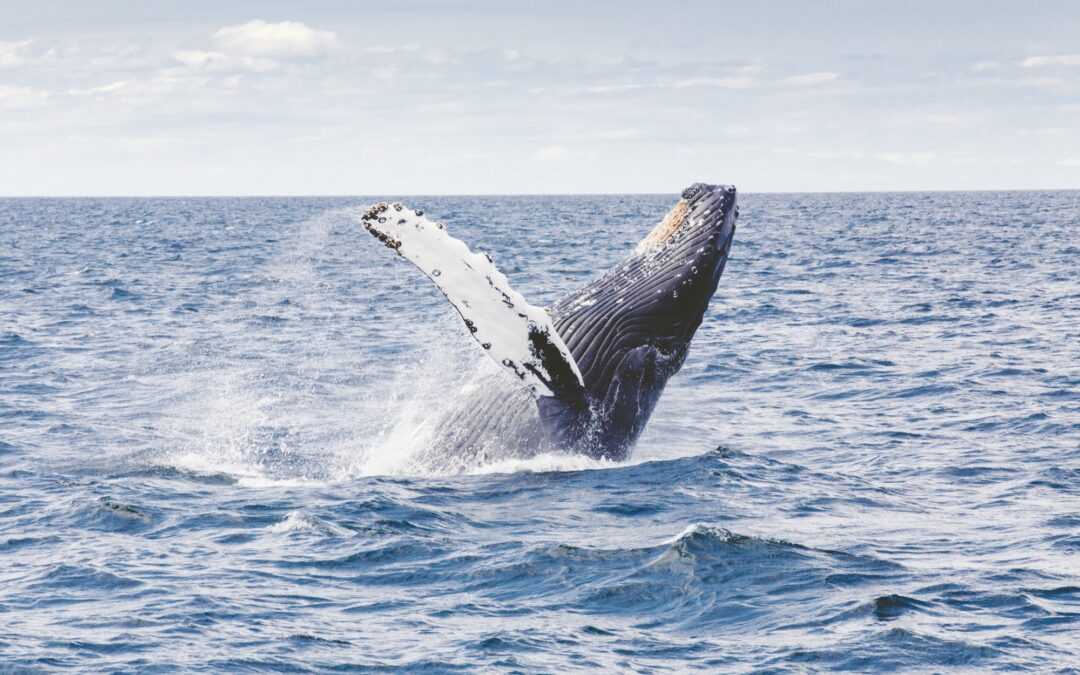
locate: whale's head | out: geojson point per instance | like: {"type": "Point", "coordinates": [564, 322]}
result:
{"type": "Point", "coordinates": [630, 329]}
{"type": "Point", "coordinates": [676, 268]}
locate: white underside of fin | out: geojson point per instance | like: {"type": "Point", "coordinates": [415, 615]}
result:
{"type": "Point", "coordinates": [498, 317]}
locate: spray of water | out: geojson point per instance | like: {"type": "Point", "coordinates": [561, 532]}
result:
{"type": "Point", "coordinates": [279, 387]}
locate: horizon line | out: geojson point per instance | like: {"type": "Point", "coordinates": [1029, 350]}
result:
{"type": "Point", "coordinates": [511, 194]}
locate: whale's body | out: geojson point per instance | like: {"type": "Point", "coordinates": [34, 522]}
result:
{"type": "Point", "coordinates": [585, 375]}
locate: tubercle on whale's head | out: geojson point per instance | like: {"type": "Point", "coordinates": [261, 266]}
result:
{"type": "Point", "coordinates": [666, 228]}
{"type": "Point", "coordinates": [702, 208]}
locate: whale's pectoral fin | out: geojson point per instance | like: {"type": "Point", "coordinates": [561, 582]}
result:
{"type": "Point", "coordinates": [518, 336]}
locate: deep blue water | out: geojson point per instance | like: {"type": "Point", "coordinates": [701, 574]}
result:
{"type": "Point", "coordinates": [870, 461]}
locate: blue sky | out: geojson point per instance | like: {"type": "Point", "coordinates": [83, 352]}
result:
{"type": "Point", "coordinates": [181, 98]}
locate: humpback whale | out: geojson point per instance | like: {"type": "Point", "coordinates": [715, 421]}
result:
{"type": "Point", "coordinates": [584, 375]}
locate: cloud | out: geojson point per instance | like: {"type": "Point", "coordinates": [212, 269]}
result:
{"type": "Point", "coordinates": [810, 79]}
{"type": "Point", "coordinates": [943, 119]}
{"type": "Point", "coordinates": [12, 97]}
{"type": "Point", "coordinates": [739, 82]}
{"type": "Point", "coordinates": [606, 88]}
{"type": "Point", "coordinates": [553, 153]}
{"type": "Point", "coordinates": [984, 65]}
{"type": "Point", "coordinates": [385, 72]}
{"type": "Point", "coordinates": [1057, 60]}
{"type": "Point", "coordinates": [281, 39]}
{"type": "Point", "coordinates": [559, 153]}
{"type": "Point", "coordinates": [9, 53]}
{"type": "Point", "coordinates": [102, 89]}
{"type": "Point", "coordinates": [955, 119]}
{"type": "Point", "coordinates": [619, 134]}
{"type": "Point", "coordinates": [1069, 161]}
{"type": "Point", "coordinates": [911, 158]}
{"type": "Point", "coordinates": [209, 61]}
{"type": "Point", "coordinates": [1037, 82]}
{"type": "Point", "coordinates": [835, 154]}
{"type": "Point", "coordinates": [383, 50]}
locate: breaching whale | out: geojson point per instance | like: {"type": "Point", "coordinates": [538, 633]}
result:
{"type": "Point", "coordinates": [584, 375]}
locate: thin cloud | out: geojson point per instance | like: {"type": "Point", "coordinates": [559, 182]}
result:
{"type": "Point", "coordinates": [944, 119]}
{"type": "Point", "coordinates": [955, 119]}
{"type": "Point", "coordinates": [619, 134]}
{"type": "Point", "coordinates": [835, 154]}
{"type": "Point", "coordinates": [281, 39]}
{"type": "Point", "coordinates": [740, 82]}
{"type": "Point", "coordinates": [607, 88]}
{"type": "Point", "coordinates": [10, 53]}
{"type": "Point", "coordinates": [559, 153]}
{"type": "Point", "coordinates": [554, 153]}
{"type": "Point", "coordinates": [213, 61]}
{"type": "Point", "coordinates": [910, 158]}
{"type": "Point", "coordinates": [1069, 161]}
{"type": "Point", "coordinates": [102, 89]}
{"type": "Point", "coordinates": [388, 49]}
{"type": "Point", "coordinates": [1057, 60]}
{"type": "Point", "coordinates": [12, 97]}
{"type": "Point", "coordinates": [810, 79]}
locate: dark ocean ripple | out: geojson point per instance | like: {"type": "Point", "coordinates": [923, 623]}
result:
{"type": "Point", "coordinates": [869, 462]}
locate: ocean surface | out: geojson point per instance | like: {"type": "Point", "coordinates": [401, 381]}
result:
{"type": "Point", "coordinates": [870, 460]}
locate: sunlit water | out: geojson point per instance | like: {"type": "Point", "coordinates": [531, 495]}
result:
{"type": "Point", "coordinates": [870, 461]}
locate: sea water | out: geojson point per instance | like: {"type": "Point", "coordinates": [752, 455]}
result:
{"type": "Point", "coordinates": [870, 460]}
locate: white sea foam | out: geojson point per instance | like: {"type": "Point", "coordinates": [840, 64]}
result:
{"type": "Point", "coordinates": [544, 463]}
{"type": "Point", "coordinates": [300, 522]}
{"type": "Point", "coordinates": [245, 474]}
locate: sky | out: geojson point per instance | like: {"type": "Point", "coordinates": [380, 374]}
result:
{"type": "Point", "coordinates": [367, 98]}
